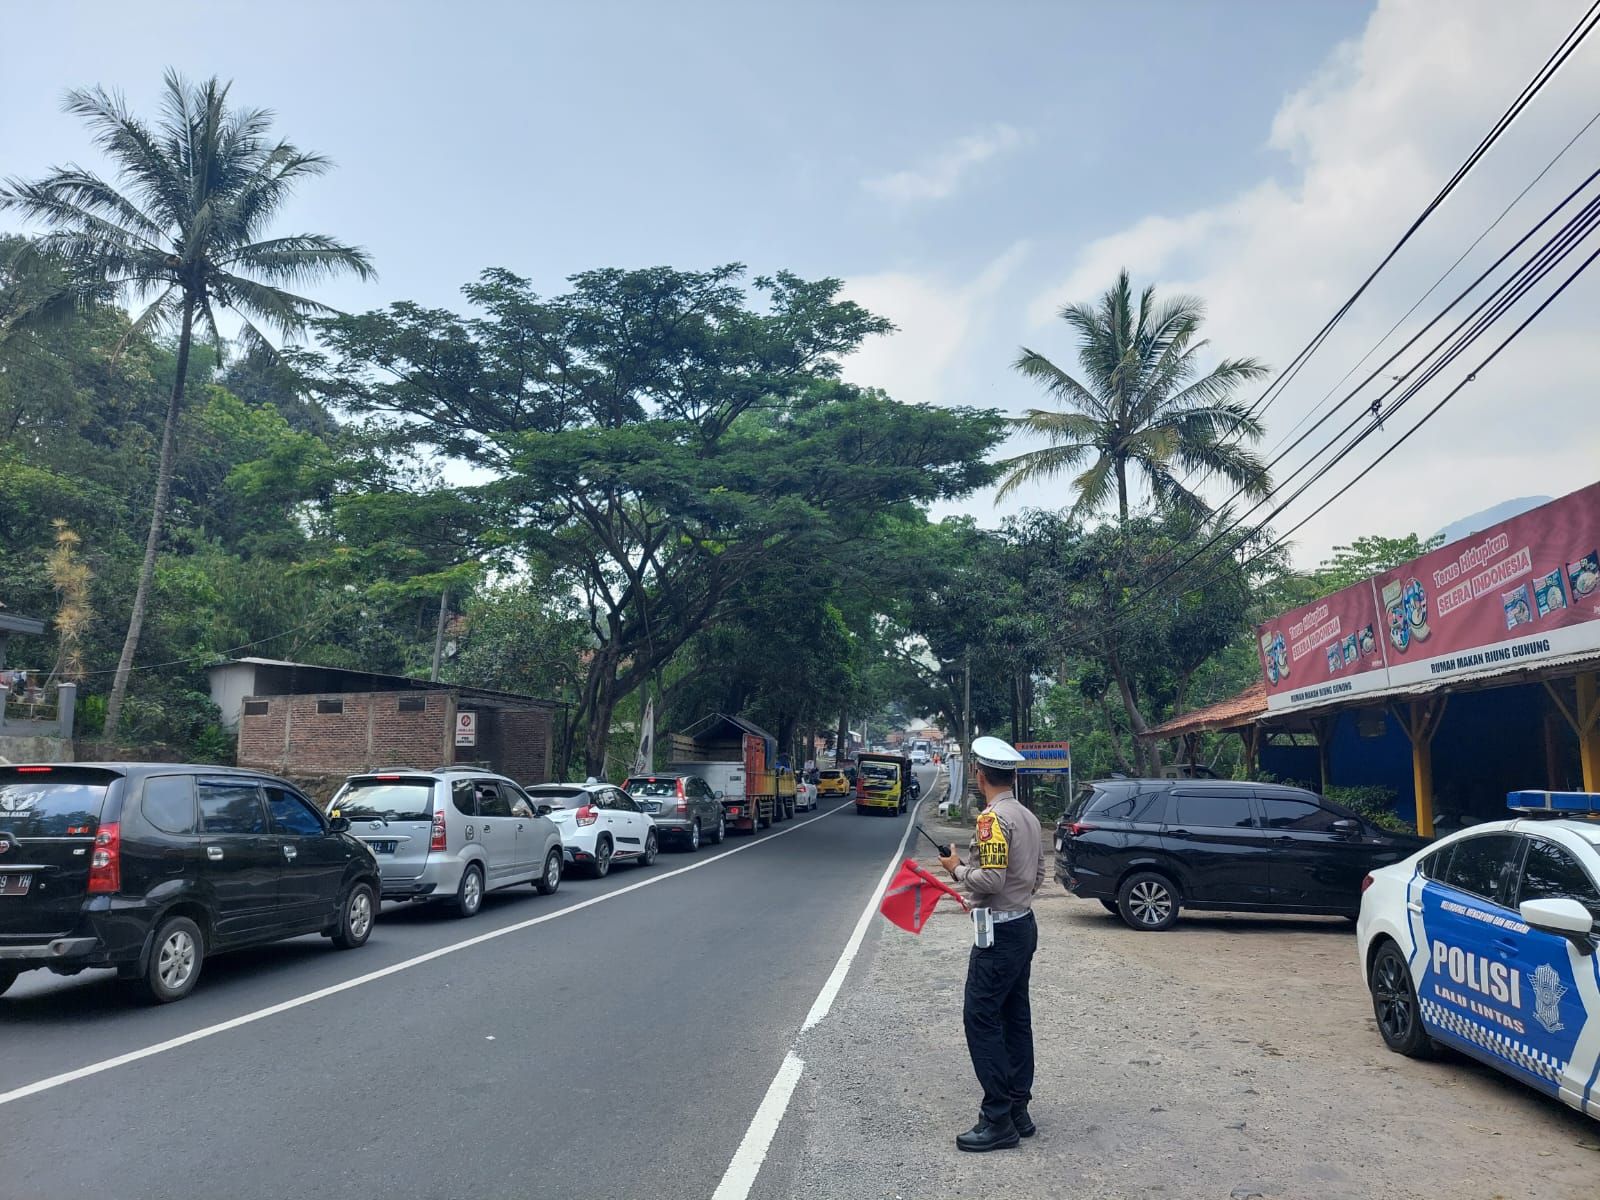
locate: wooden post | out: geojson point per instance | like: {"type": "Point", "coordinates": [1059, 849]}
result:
{"type": "Point", "coordinates": [1552, 756]}
{"type": "Point", "coordinates": [1322, 730]}
{"type": "Point", "coordinates": [1420, 720]}
{"type": "Point", "coordinates": [1588, 710]}
{"type": "Point", "coordinates": [1250, 735]}
{"type": "Point", "coordinates": [1583, 717]}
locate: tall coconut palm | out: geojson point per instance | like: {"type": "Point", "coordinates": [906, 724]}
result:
{"type": "Point", "coordinates": [1142, 404]}
{"type": "Point", "coordinates": [181, 232]}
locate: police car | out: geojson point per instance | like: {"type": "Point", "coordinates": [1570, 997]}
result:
{"type": "Point", "coordinates": [1485, 942]}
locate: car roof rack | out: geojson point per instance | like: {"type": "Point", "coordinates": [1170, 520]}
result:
{"type": "Point", "coordinates": [1554, 805]}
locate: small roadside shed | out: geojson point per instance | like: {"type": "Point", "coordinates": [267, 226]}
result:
{"type": "Point", "coordinates": [307, 719]}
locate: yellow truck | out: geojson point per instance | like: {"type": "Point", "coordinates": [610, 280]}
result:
{"type": "Point", "coordinates": [883, 783]}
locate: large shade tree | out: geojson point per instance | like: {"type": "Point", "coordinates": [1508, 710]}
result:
{"type": "Point", "coordinates": [182, 233]}
{"type": "Point", "coordinates": [656, 438]}
{"type": "Point", "coordinates": [1142, 406]}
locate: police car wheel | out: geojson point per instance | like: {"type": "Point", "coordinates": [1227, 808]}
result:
{"type": "Point", "coordinates": [1147, 902]}
{"type": "Point", "coordinates": [1394, 1004]}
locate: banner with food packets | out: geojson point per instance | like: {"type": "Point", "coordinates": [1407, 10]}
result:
{"type": "Point", "coordinates": [1522, 590]}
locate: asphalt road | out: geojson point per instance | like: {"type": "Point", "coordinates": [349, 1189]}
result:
{"type": "Point", "coordinates": [615, 1050]}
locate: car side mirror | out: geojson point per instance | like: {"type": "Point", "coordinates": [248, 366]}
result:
{"type": "Point", "coordinates": [339, 824]}
{"type": "Point", "coordinates": [544, 810]}
{"type": "Point", "coordinates": [1346, 827]}
{"type": "Point", "coordinates": [1563, 917]}
{"type": "Point", "coordinates": [716, 795]}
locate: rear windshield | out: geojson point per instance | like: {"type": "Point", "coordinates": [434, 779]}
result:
{"type": "Point", "coordinates": [389, 799]}
{"type": "Point", "coordinates": [832, 775]}
{"type": "Point", "coordinates": [652, 787]}
{"type": "Point", "coordinates": [876, 774]}
{"type": "Point", "coordinates": [559, 797]}
{"type": "Point", "coordinates": [57, 804]}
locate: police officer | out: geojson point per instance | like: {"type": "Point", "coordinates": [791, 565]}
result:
{"type": "Point", "coordinates": [1005, 867]}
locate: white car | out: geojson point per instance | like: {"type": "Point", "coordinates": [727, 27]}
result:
{"type": "Point", "coordinates": [805, 796]}
{"type": "Point", "coordinates": [919, 757]}
{"type": "Point", "coordinates": [1485, 942]}
{"type": "Point", "coordinates": [600, 825]}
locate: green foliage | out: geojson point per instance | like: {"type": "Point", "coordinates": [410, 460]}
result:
{"type": "Point", "coordinates": [655, 440]}
{"type": "Point", "coordinates": [1374, 803]}
{"type": "Point", "coordinates": [1144, 404]}
{"type": "Point", "coordinates": [1367, 556]}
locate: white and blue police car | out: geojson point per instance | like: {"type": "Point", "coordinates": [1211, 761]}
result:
{"type": "Point", "coordinates": [1485, 942]}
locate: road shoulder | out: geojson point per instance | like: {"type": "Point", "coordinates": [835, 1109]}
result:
{"type": "Point", "coordinates": [1234, 1056]}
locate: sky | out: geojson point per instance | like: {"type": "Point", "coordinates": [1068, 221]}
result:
{"type": "Point", "coordinates": [965, 169]}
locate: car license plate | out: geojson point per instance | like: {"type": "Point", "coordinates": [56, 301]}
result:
{"type": "Point", "coordinates": [382, 847]}
{"type": "Point", "coordinates": [15, 884]}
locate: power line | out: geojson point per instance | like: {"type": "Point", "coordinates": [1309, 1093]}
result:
{"type": "Point", "coordinates": [1541, 263]}
{"type": "Point", "coordinates": [1541, 78]}
{"type": "Point", "coordinates": [1450, 270]}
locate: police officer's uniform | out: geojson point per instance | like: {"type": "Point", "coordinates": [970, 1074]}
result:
{"type": "Point", "coordinates": [1005, 866]}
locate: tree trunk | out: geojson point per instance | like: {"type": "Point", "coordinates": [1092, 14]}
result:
{"type": "Point", "coordinates": [841, 738]}
{"type": "Point", "coordinates": [1147, 754]}
{"type": "Point", "coordinates": [597, 735]}
{"type": "Point", "coordinates": [158, 513]}
{"type": "Point", "coordinates": [1122, 489]}
{"type": "Point", "coordinates": [1115, 734]}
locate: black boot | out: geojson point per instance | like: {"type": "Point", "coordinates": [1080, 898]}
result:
{"type": "Point", "coordinates": [988, 1135]}
{"type": "Point", "coordinates": [1023, 1122]}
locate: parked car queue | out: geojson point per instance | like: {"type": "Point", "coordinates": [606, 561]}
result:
{"type": "Point", "coordinates": [150, 868]}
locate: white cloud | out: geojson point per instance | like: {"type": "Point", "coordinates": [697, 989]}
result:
{"type": "Point", "coordinates": [936, 319]}
{"type": "Point", "coordinates": [1368, 142]}
{"type": "Point", "coordinates": [940, 175]}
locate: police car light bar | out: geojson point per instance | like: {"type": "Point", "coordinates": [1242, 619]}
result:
{"type": "Point", "coordinates": [1554, 804]}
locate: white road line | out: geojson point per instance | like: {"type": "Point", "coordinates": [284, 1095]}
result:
{"type": "Point", "coordinates": [835, 981]}
{"type": "Point", "coordinates": [261, 1014]}
{"type": "Point", "coordinates": [741, 1174]}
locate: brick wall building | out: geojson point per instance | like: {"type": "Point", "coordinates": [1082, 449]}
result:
{"type": "Point", "coordinates": [305, 720]}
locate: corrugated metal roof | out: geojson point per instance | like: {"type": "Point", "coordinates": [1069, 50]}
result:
{"type": "Point", "coordinates": [1243, 709]}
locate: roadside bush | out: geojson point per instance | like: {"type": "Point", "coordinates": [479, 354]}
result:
{"type": "Point", "coordinates": [1374, 803]}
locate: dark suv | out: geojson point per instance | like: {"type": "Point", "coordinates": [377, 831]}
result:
{"type": "Point", "coordinates": [150, 867]}
{"type": "Point", "coordinates": [1146, 847]}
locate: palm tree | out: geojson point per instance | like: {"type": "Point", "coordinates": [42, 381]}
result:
{"type": "Point", "coordinates": [181, 233]}
{"type": "Point", "coordinates": [1144, 404]}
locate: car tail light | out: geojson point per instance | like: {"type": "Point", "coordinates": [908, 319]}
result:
{"type": "Point", "coordinates": [34, 770]}
{"type": "Point", "coordinates": [1365, 884]}
{"type": "Point", "coordinates": [588, 815]}
{"type": "Point", "coordinates": [436, 840]}
{"type": "Point", "coordinates": [1077, 827]}
{"type": "Point", "coordinates": [105, 866]}
{"type": "Point", "coordinates": [683, 801]}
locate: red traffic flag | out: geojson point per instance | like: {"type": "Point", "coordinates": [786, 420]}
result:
{"type": "Point", "coordinates": [903, 903]}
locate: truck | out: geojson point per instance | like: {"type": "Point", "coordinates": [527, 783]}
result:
{"type": "Point", "coordinates": [883, 783]}
{"type": "Point", "coordinates": [740, 762]}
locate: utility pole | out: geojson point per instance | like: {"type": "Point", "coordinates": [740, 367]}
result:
{"type": "Point", "coordinates": [438, 634]}
{"type": "Point", "coordinates": [966, 732]}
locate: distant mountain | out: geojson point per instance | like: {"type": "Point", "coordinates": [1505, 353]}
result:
{"type": "Point", "coordinates": [1505, 510]}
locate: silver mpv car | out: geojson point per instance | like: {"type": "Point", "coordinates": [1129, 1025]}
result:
{"type": "Point", "coordinates": [451, 834]}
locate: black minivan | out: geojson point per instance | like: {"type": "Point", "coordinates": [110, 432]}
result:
{"type": "Point", "coordinates": [151, 867]}
{"type": "Point", "coordinates": [1147, 847]}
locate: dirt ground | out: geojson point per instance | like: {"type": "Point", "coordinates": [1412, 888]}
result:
{"type": "Point", "coordinates": [1232, 1057]}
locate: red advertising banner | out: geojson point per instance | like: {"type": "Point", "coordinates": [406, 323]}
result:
{"type": "Point", "coordinates": [1518, 592]}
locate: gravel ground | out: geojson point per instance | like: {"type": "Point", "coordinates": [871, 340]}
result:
{"type": "Point", "coordinates": [1231, 1057]}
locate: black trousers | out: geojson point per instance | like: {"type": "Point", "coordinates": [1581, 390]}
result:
{"type": "Point", "coordinates": [999, 1017]}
